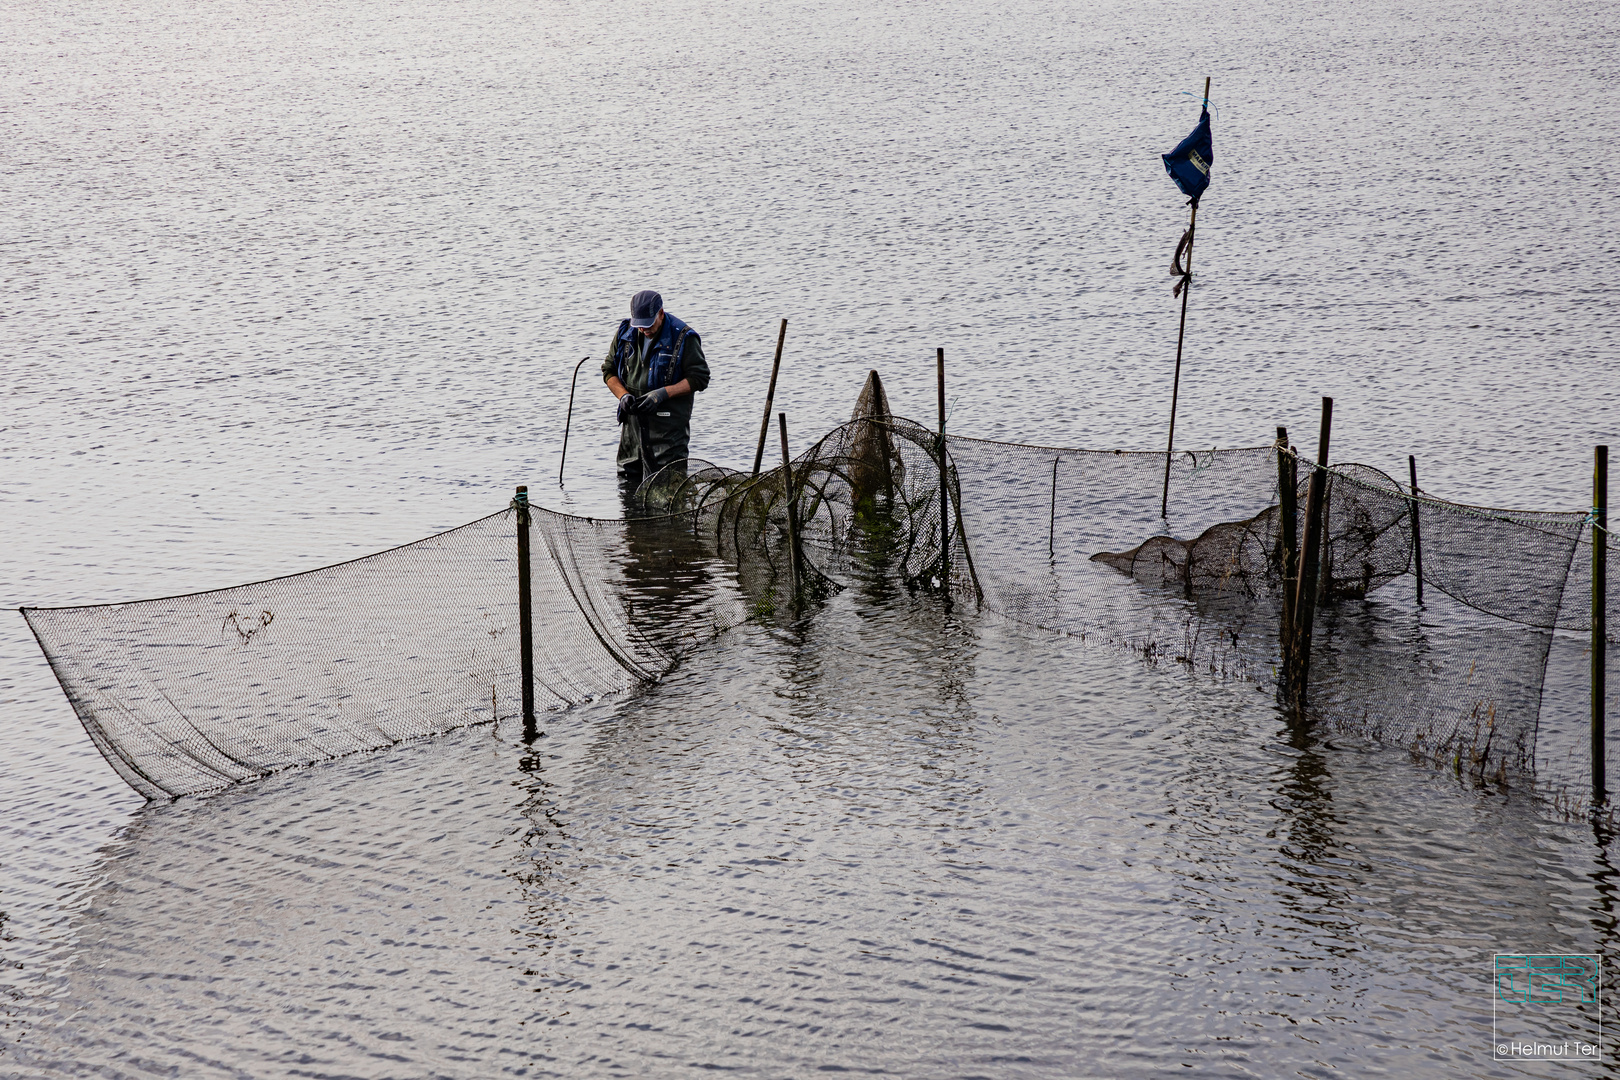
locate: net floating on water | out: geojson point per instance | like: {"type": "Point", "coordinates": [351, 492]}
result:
{"type": "Point", "coordinates": [191, 694]}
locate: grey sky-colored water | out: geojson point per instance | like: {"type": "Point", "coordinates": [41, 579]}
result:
{"type": "Point", "coordinates": [283, 284]}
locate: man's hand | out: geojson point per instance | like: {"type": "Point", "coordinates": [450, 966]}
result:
{"type": "Point", "coordinates": [627, 405]}
{"type": "Point", "coordinates": [647, 403]}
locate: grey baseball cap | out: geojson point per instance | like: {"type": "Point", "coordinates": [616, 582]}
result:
{"type": "Point", "coordinates": [644, 308]}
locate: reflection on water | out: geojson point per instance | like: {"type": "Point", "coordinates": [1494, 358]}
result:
{"type": "Point", "coordinates": [888, 838]}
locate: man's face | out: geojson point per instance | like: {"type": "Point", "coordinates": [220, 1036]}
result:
{"type": "Point", "coordinates": [649, 331]}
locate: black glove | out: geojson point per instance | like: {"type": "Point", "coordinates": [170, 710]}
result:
{"type": "Point", "coordinates": [647, 403]}
{"type": "Point", "coordinates": [627, 405]}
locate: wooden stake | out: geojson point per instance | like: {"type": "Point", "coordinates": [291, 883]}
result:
{"type": "Point", "coordinates": [794, 569]}
{"type": "Point", "coordinates": [1181, 337]}
{"type": "Point", "coordinates": [1310, 564]}
{"type": "Point", "coordinates": [944, 482]}
{"type": "Point", "coordinates": [1288, 511]}
{"type": "Point", "coordinates": [770, 396]}
{"type": "Point", "coordinates": [1600, 620]}
{"type": "Point", "coordinates": [1051, 524]}
{"type": "Point", "coordinates": [1417, 531]}
{"type": "Point", "coordinates": [525, 615]}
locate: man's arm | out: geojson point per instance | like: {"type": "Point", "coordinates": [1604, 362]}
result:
{"type": "Point", "coordinates": [610, 376]}
{"type": "Point", "coordinates": [610, 370]}
{"type": "Point", "coordinates": [695, 366]}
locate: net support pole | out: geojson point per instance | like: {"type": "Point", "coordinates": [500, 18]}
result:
{"type": "Point", "coordinates": [944, 481]}
{"type": "Point", "coordinates": [525, 614]}
{"type": "Point", "coordinates": [1417, 530]}
{"type": "Point", "coordinates": [1600, 628]}
{"type": "Point", "coordinates": [770, 397]}
{"type": "Point", "coordinates": [1181, 337]}
{"type": "Point", "coordinates": [1310, 565]}
{"type": "Point", "coordinates": [795, 570]}
{"type": "Point", "coordinates": [1288, 511]}
{"type": "Point", "coordinates": [1051, 520]}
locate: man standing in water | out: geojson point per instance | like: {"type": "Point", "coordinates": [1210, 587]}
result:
{"type": "Point", "coordinates": [653, 367]}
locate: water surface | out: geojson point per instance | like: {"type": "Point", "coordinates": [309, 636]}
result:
{"type": "Point", "coordinates": [289, 284]}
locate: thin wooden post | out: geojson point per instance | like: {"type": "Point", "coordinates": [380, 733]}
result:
{"type": "Point", "coordinates": [525, 615]}
{"type": "Point", "coordinates": [770, 396]}
{"type": "Point", "coordinates": [1051, 524]}
{"type": "Point", "coordinates": [1288, 511]}
{"type": "Point", "coordinates": [1600, 627]}
{"type": "Point", "coordinates": [1417, 531]}
{"type": "Point", "coordinates": [944, 481]}
{"type": "Point", "coordinates": [1325, 578]}
{"type": "Point", "coordinates": [1310, 564]}
{"type": "Point", "coordinates": [1181, 336]}
{"type": "Point", "coordinates": [794, 568]}
{"type": "Point", "coordinates": [568, 421]}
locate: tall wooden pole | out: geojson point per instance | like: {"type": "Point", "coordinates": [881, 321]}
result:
{"type": "Point", "coordinates": [1417, 531]}
{"type": "Point", "coordinates": [1600, 621]}
{"type": "Point", "coordinates": [770, 396]}
{"type": "Point", "coordinates": [1051, 520]}
{"type": "Point", "coordinates": [1310, 563]}
{"type": "Point", "coordinates": [795, 570]}
{"type": "Point", "coordinates": [944, 481]}
{"type": "Point", "coordinates": [1175, 390]}
{"type": "Point", "coordinates": [1288, 511]}
{"type": "Point", "coordinates": [525, 615]}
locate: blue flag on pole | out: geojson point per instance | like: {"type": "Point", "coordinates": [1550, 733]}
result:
{"type": "Point", "coordinates": [1188, 164]}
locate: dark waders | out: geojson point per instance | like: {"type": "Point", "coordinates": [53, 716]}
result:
{"type": "Point", "coordinates": [633, 474]}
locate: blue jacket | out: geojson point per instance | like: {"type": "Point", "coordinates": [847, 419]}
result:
{"type": "Point", "coordinates": [665, 355]}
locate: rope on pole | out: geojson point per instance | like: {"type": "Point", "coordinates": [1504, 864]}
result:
{"type": "Point", "coordinates": [1184, 287]}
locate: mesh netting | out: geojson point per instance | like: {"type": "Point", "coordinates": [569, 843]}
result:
{"type": "Point", "coordinates": [190, 694]}
{"type": "Point", "coordinates": [1460, 681]}
{"type": "Point", "coordinates": [870, 489]}
{"type": "Point", "coordinates": [1073, 540]}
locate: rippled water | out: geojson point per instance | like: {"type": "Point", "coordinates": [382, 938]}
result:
{"type": "Point", "coordinates": [284, 284]}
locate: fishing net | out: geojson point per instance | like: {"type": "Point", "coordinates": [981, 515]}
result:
{"type": "Point", "coordinates": [1075, 541]}
{"type": "Point", "coordinates": [189, 694]}
{"type": "Point", "coordinates": [870, 489]}
{"type": "Point", "coordinates": [1457, 681]}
